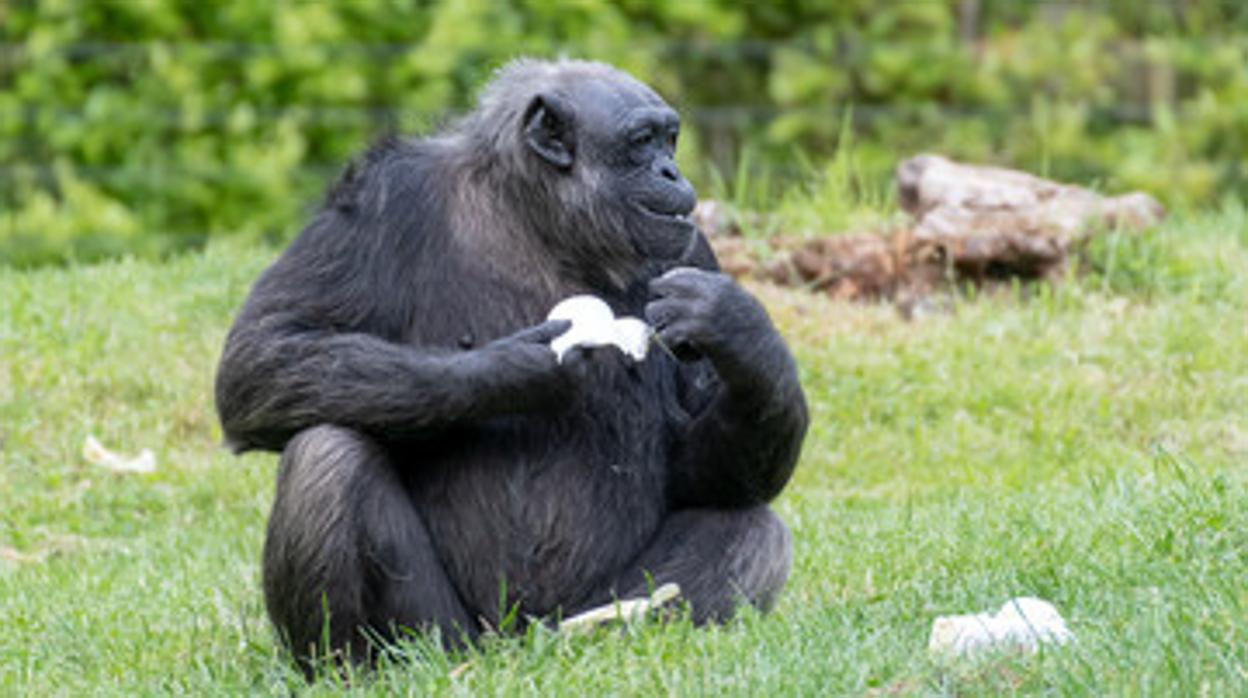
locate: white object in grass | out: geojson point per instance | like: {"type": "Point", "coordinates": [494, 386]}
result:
{"type": "Point", "coordinates": [594, 325]}
{"type": "Point", "coordinates": [628, 610]}
{"type": "Point", "coordinates": [1022, 623]}
{"type": "Point", "coordinates": [95, 452]}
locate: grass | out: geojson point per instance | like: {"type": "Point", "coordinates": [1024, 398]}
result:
{"type": "Point", "coordinates": [1086, 444]}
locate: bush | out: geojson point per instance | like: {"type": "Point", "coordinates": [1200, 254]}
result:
{"type": "Point", "coordinates": [147, 127]}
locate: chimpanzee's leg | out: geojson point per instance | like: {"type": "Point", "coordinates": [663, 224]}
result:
{"type": "Point", "coordinates": [720, 559]}
{"type": "Point", "coordinates": [345, 539]}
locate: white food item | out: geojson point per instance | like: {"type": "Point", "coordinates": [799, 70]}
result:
{"type": "Point", "coordinates": [633, 336]}
{"type": "Point", "coordinates": [628, 610]}
{"type": "Point", "coordinates": [1022, 623]}
{"type": "Point", "coordinates": [94, 452]}
{"type": "Point", "coordinates": [594, 325]}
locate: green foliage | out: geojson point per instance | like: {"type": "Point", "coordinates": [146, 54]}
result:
{"type": "Point", "coordinates": [1165, 261]}
{"type": "Point", "coordinates": [147, 126]}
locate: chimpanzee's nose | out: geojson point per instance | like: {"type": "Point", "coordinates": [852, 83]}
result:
{"type": "Point", "coordinates": [668, 170]}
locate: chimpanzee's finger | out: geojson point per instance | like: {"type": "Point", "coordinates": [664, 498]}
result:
{"type": "Point", "coordinates": [543, 333]}
{"type": "Point", "coordinates": [661, 313]}
{"type": "Point", "coordinates": [681, 282]}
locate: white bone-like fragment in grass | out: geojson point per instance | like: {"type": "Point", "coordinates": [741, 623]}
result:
{"type": "Point", "coordinates": [1023, 623]}
{"type": "Point", "coordinates": [594, 325]}
{"type": "Point", "coordinates": [94, 452]}
{"type": "Point", "coordinates": [628, 610]}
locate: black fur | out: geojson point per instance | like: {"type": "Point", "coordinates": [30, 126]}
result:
{"type": "Point", "coordinates": [439, 467]}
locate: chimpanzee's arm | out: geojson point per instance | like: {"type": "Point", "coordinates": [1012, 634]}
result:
{"type": "Point", "coordinates": [319, 342]}
{"type": "Point", "coordinates": [275, 380]}
{"type": "Point", "coordinates": [748, 410]}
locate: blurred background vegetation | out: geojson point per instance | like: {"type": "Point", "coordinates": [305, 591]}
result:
{"type": "Point", "coordinates": [146, 126]}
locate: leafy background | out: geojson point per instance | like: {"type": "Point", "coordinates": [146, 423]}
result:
{"type": "Point", "coordinates": [147, 126]}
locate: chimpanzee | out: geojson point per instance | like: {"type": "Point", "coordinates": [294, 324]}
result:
{"type": "Point", "coordinates": [441, 468]}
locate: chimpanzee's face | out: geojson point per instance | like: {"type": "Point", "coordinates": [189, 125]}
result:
{"type": "Point", "coordinates": [619, 138]}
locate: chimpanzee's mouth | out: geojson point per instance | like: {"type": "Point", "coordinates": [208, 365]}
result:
{"type": "Point", "coordinates": [667, 216]}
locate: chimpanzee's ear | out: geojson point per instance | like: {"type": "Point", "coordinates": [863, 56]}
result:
{"type": "Point", "coordinates": [548, 129]}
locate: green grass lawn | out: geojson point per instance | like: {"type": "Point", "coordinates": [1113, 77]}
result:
{"type": "Point", "coordinates": [1086, 444]}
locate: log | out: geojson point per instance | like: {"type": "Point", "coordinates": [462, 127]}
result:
{"type": "Point", "coordinates": [995, 224]}
{"type": "Point", "coordinates": [973, 223]}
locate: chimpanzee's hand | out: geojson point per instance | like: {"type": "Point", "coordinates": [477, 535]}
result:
{"type": "Point", "coordinates": [702, 312]}
{"type": "Point", "coordinates": [520, 371]}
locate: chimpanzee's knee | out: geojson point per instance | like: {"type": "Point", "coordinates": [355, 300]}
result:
{"type": "Point", "coordinates": [721, 558]}
{"type": "Point", "coordinates": [313, 577]}
{"type": "Point", "coordinates": [348, 560]}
